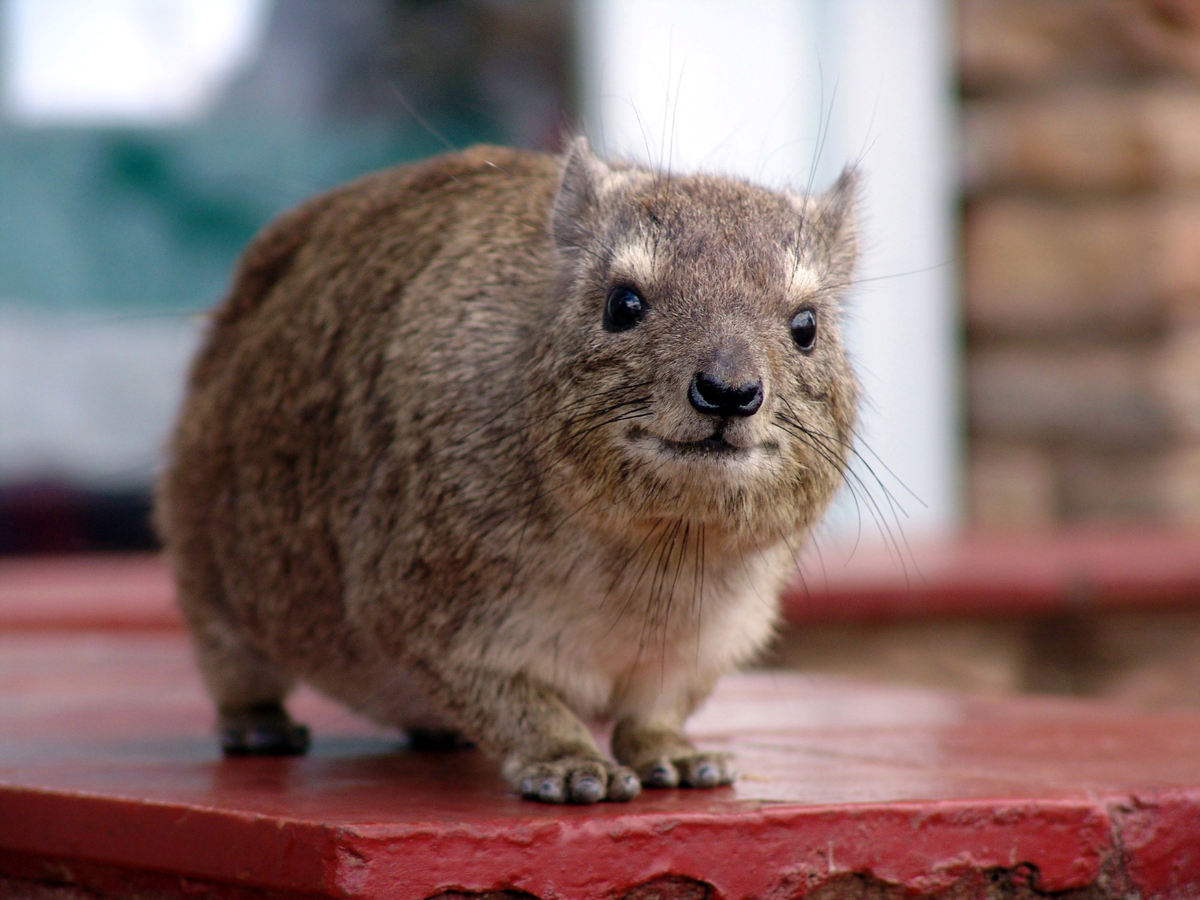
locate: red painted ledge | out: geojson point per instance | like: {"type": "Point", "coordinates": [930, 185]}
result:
{"type": "Point", "coordinates": [108, 777]}
{"type": "Point", "coordinates": [999, 574]}
{"type": "Point", "coordinates": [87, 592]}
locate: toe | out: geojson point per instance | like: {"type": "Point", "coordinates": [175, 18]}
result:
{"type": "Point", "coordinates": [660, 774]}
{"type": "Point", "coordinates": [705, 770]}
{"type": "Point", "coordinates": [548, 787]}
{"type": "Point", "coordinates": [623, 784]}
{"type": "Point", "coordinates": [700, 773]}
{"type": "Point", "coordinates": [587, 787]}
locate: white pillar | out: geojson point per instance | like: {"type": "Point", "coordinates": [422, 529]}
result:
{"type": "Point", "coordinates": [784, 91]}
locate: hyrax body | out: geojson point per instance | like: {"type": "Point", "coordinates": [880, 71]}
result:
{"type": "Point", "coordinates": [501, 441]}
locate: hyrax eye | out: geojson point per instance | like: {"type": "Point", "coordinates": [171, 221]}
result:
{"type": "Point", "coordinates": [624, 309]}
{"type": "Point", "coordinates": [804, 329]}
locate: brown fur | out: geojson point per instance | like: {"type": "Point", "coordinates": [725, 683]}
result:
{"type": "Point", "coordinates": [413, 470]}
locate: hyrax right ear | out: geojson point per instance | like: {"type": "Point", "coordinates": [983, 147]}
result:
{"type": "Point", "coordinates": [578, 195]}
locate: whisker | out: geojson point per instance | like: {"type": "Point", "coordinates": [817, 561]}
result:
{"type": "Point", "coordinates": [895, 539]}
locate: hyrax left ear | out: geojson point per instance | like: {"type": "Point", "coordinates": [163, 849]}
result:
{"type": "Point", "coordinates": [830, 222]}
{"type": "Point", "coordinates": [836, 210]}
{"type": "Point", "coordinates": [838, 207]}
{"type": "Point", "coordinates": [578, 195]}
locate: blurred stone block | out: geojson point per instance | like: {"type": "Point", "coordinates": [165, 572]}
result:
{"type": "Point", "coordinates": [1178, 245]}
{"type": "Point", "coordinates": [1011, 486]}
{"type": "Point", "coordinates": [1164, 486]}
{"type": "Point", "coordinates": [1179, 484]}
{"type": "Point", "coordinates": [1039, 269]}
{"type": "Point", "coordinates": [1083, 139]}
{"type": "Point", "coordinates": [1177, 376]}
{"type": "Point", "coordinates": [1021, 44]}
{"type": "Point", "coordinates": [1117, 486]}
{"type": "Point", "coordinates": [1108, 268]}
{"type": "Point", "coordinates": [967, 654]}
{"type": "Point", "coordinates": [1103, 397]}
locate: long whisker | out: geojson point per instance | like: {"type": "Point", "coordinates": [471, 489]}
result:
{"type": "Point", "coordinates": [823, 445]}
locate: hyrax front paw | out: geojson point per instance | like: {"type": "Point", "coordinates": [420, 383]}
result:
{"type": "Point", "coordinates": [576, 780]}
{"type": "Point", "coordinates": [664, 758]}
{"type": "Point", "coordinates": [695, 769]}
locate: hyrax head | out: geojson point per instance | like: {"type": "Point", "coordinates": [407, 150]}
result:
{"type": "Point", "coordinates": [698, 360]}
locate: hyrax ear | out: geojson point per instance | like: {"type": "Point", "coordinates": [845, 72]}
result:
{"type": "Point", "coordinates": [578, 194]}
{"type": "Point", "coordinates": [838, 207]}
{"type": "Point", "coordinates": [831, 221]}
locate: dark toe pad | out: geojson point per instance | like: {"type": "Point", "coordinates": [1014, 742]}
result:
{"type": "Point", "coordinates": [436, 739]}
{"type": "Point", "coordinates": [265, 731]}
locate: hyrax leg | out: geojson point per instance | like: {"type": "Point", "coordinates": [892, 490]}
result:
{"type": "Point", "coordinates": [246, 686]}
{"type": "Point", "coordinates": [547, 752]}
{"type": "Point", "coordinates": [664, 758]}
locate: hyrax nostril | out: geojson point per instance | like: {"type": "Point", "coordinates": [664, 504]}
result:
{"type": "Point", "coordinates": [715, 397]}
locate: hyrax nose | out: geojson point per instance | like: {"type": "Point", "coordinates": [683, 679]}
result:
{"type": "Point", "coordinates": [713, 396]}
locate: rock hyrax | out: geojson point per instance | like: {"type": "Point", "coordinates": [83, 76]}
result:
{"type": "Point", "coordinates": [499, 442]}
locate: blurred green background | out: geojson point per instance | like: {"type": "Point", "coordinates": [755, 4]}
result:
{"type": "Point", "coordinates": [124, 206]}
{"type": "Point", "coordinates": [121, 220]}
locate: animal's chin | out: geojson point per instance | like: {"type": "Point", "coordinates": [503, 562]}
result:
{"type": "Point", "coordinates": [714, 447]}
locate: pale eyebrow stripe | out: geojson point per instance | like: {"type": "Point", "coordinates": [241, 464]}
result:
{"type": "Point", "coordinates": [804, 281]}
{"type": "Point", "coordinates": [634, 261]}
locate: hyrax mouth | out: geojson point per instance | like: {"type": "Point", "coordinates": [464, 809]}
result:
{"type": "Point", "coordinates": [715, 445]}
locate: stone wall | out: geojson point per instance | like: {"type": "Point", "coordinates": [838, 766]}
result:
{"type": "Point", "coordinates": [1081, 125]}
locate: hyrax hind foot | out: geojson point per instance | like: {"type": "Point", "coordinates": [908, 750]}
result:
{"type": "Point", "coordinates": [664, 758]}
{"type": "Point", "coordinates": [577, 780]}
{"type": "Point", "coordinates": [264, 729]}
{"type": "Point", "coordinates": [437, 739]}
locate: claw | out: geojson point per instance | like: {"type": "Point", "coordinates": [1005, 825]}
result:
{"type": "Point", "coordinates": [662, 775]}
{"type": "Point", "coordinates": [552, 790]}
{"type": "Point", "coordinates": [623, 785]}
{"type": "Point", "coordinates": [705, 775]}
{"type": "Point", "coordinates": [586, 789]}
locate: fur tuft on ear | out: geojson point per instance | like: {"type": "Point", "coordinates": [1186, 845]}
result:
{"type": "Point", "coordinates": [831, 223]}
{"type": "Point", "coordinates": [578, 192]}
{"type": "Point", "coordinates": [838, 206]}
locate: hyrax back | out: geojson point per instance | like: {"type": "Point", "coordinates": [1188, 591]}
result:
{"type": "Point", "coordinates": [501, 441]}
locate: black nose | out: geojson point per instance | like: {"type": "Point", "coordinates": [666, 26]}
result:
{"type": "Point", "coordinates": [716, 397]}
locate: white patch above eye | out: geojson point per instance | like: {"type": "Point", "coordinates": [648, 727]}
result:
{"type": "Point", "coordinates": [804, 282]}
{"type": "Point", "coordinates": [633, 261]}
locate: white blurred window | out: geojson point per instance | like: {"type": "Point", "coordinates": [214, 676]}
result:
{"type": "Point", "coordinates": [83, 394]}
{"type": "Point", "coordinates": [123, 61]}
{"type": "Point", "coordinates": [788, 91]}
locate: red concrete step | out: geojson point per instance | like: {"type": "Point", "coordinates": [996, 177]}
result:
{"type": "Point", "coordinates": [83, 591]}
{"type": "Point", "coordinates": [997, 574]}
{"type": "Point", "coordinates": [110, 783]}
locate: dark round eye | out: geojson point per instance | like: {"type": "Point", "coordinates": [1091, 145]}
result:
{"type": "Point", "coordinates": [804, 329]}
{"type": "Point", "coordinates": [624, 309]}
